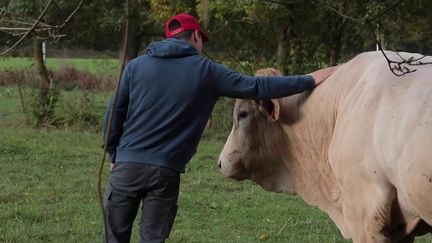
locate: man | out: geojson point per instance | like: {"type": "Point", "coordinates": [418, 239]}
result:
{"type": "Point", "coordinates": [165, 100]}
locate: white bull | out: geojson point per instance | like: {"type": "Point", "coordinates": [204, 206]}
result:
{"type": "Point", "coordinates": [359, 147]}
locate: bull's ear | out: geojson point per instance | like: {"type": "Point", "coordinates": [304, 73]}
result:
{"type": "Point", "coordinates": [271, 108]}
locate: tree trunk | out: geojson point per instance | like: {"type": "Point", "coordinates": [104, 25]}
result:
{"type": "Point", "coordinates": [283, 51]}
{"type": "Point", "coordinates": [333, 56]}
{"type": "Point", "coordinates": [206, 13]}
{"type": "Point", "coordinates": [283, 55]}
{"type": "Point", "coordinates": [382, 40]}
{"type": "Point", "coordinates": [336, 26]}
{"type": "Point", "coordinates": [133, 45]}
{"type": "Point", "coordinates": [130, 34]}
{"type": "Point", "coordinates": [40, 65]}
{"type": "Point", "coordinates": [192, 6]}
{"type": "Point", "coordinates": [45, 104]}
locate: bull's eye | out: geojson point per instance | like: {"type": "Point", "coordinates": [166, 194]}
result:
{"type": "Point", "coordinates": [242, 114]}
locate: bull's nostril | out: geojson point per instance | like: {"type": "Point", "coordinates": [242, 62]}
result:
{"type": "Point", "coordinates": [220, 164]}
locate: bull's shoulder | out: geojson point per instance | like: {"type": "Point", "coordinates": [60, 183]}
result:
{"type": "Point", "coordinates": [365, 59]}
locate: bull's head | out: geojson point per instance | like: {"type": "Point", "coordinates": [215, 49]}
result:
{"type": "Point", "coordinates": [257, 144]}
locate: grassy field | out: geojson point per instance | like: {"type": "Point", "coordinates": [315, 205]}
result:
{"type": "Point", "coordinates": [96, 66]}
{"type": "Point", "coordinates": [48, 181]}
{"type": "Point", "coordinates": [48, 193]}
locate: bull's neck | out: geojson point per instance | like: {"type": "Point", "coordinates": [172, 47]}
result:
{"type": "Point", "coordinates": [308, 120]}
{"type": "Point", "coordinates": [309, 130]}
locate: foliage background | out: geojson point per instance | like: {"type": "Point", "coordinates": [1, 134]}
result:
{"type": "Point", "coordinates": [47, 180]}
{"type": "Point", "coordinates": [296, 36]}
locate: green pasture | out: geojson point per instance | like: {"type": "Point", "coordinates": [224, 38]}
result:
{"type": "Point", "coordinates": [95, 66]}
{"type": "Point", "coordinates": [48, 192]}
{"type": "Point", "coordinates": [48, 195]}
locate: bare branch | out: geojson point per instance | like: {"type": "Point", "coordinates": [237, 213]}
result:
{"type": "Point", "coordinates": [23, 28]}
{"type": "Point", "coordinates": [17, 22]}
{"type": "Point", "coordinates": [19, 33]}
{"type": "Point", "coordinates": [43, 31]}
{"type": "Point", "coordinates": [364, 18]}
{"type": "Point", "coordinates": [57, 6]}
{"type": "Point", "coordinates": [2, 12]}
{"type": "Point", "coordinates": [7, 28]}
{"type": "Point", "coordinates": [110, 116]}
{"type": "Point", "coordinates": [30, 30]}
{"type": "Point", "coordinates": [402, 67]}
{"type": "Point", "coordinates": [7, 12]}
{"type": "Point", "coordinates": [385, 10]}
{"type": "Point", "coordinates": [359, 20]}
{"type": "Point", "coordinates": [50, 37]}
{"type": "Point", "coordinates": [25, 23]}
{"type": "Point", "coordinates": [71, 15]}
{"type": "Point", "coordinates": [285, 3]}
{"type": "Point", "coordinates": [10, 33]}
{"type": "Point", "coordinates": [398, 68]}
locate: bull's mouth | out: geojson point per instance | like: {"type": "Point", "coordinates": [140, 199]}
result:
{"type": "Point", "coordinates": [238, 177]}
{"type": "Point", "coordinates": [237, 172]}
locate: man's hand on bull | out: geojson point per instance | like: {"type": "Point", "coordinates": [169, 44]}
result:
{"type": "Point", "coordinates": [322, 74]}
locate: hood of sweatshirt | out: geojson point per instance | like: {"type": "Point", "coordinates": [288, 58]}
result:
{"type": "Point", "coordinates": [170, 48]}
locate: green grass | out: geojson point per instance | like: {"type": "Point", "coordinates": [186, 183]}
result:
{"type": "Point", "coordinates": [48, 193]}
{"type": "Point", "coordinates": [96, 66]}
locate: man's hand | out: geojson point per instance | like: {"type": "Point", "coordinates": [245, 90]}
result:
{"type": "Point", "coordinates": [322, 74]}
{"type": "Point", "coordinates": [112, 166]}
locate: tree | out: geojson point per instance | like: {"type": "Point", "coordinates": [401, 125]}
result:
{"type": "Point", "coordinates": [40, 27]}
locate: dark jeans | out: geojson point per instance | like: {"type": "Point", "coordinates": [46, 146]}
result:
{"type": "Point", "coordinates": [129, 184]}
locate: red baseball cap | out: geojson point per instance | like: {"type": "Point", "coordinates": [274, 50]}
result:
{"type": "Point", "coordinates": [187, 22]}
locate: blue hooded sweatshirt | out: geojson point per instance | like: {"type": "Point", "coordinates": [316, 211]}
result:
{"type": "Point", "coordinates": [166, 97]}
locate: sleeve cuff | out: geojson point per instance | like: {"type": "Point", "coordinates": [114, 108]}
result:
{"type": "Point", "coordinates": [112, 156]}
{"type": "Point", "coordinates": [309, 81]}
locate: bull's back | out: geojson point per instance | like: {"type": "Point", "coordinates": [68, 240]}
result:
{"type": "Point", "coordinates": [384, 126]}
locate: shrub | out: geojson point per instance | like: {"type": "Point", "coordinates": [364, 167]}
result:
{"type": "Point", "coordinates": [70, 102]}
{"type": "Point", "coordinates": [66, 77]}
{"type": "Point", "coordinates": [14, 76]}
{"type": "Point", "coordinates": [70, 78]}
{"type": "Point", "coordinates": [42, 104]}
{"type": "Point", "coordinates": [78, 109]}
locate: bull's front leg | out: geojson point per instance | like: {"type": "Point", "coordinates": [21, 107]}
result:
{"type": "Point", "coordinates": [367, 209]}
